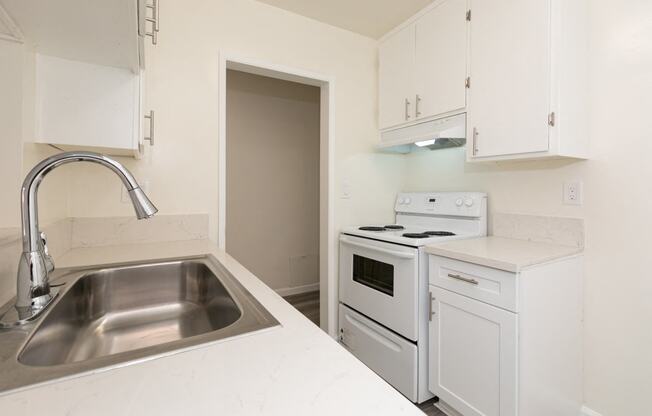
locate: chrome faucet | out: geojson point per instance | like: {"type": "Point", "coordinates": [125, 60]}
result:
{"type": "Point", "coordinates": [34, 293]}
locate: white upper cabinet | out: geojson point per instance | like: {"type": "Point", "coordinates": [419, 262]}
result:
{"type": "Point", "coordinates": [95, 31]}
{"type": "Point", "coordinates": [87, 106]}
{"type": "Point", "coordinates": [422, 66]}
{"type": "Point", "coordinates": [397, 82]}
{"type": "Point", "coordinates": [527, 79]}
{"type": "Point", "coordinates": [517, 68]}
{"type": "Point", "coordinates": [441, 59]}
{"type": "Point", "coordinates": [89, 68]}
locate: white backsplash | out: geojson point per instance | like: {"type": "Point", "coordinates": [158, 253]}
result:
{"type": "Point", "coordinates": [555, 230]}
{"type": "Point", "coordinates": [98, 232]}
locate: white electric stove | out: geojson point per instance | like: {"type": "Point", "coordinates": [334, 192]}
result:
{"type": "Point", "coordinates": [383, 277]}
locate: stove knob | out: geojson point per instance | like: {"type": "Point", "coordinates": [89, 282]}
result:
{"type": "Point", "coordinates": [401, 201]}
{"type": "Point", "coordinates": [408, 200]}
{"type": "Point", "coordinates": [468, 202]}
{"type": "Point", "coordinates": [459, 202]}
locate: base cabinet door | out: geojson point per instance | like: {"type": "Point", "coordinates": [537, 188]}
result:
{"type": "Point", "coordinates": [473, 355]}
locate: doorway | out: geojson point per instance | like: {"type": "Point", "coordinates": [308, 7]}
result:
{"type": "Point", "coordinates": [275, 207]}
{"type": "Point", "coordinates": [272, 184]}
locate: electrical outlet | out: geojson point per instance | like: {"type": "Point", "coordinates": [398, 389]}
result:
{"type": "Point", "coordinates": [573, 193]}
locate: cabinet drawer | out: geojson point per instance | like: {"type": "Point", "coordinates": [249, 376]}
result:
{"type": "Point", "coordinates": [495, 287]}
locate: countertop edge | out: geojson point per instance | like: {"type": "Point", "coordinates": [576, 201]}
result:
{"type": "Point", "coordinates": [456, 250]}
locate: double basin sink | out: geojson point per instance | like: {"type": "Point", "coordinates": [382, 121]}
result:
{"type": "Point", "coordinates": [107, 316]}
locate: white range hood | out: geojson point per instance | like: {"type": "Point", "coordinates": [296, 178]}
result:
{"type": "Point", "coordinates": [434, 134]}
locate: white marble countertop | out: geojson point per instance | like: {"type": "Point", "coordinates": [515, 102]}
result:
{"type": "Point", "coordinates": [502, 253]}
{"type": "Point", "coordinates": [293, 369]}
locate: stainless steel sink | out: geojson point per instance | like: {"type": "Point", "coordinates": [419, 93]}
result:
{"type": "Point", "coordinates": [113, 314]}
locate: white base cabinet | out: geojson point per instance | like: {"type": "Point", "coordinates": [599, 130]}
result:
{"type": "Point", "coordinates": [506, 344]}
{"type": "Point", "coordinates": [475, 345]}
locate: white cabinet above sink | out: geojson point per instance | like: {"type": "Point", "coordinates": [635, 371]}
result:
{"type": "Point", "coordinates": [93, 31]}
{"type": "Point", "coordinates": [89, 70]}
{"type": "Point", "coordinates": [87, 106]}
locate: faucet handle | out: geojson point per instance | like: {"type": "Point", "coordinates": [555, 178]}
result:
{"type": "Point", "coordinates": [49, 262]}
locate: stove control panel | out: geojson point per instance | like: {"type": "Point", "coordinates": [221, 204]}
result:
{"type": "Point", "coordinates": [465, 204]}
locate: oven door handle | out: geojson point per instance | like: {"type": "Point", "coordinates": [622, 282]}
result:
{"type": "Point", "coordinates": [393, 253]}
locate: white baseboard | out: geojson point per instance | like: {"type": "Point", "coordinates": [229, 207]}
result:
{"type": "Point", "coordinates": [588, 412]}
{"type": "Point", "coordinates": [288, 291]}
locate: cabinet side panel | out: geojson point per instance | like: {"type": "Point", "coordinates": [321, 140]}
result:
{"type": "Point", "coordinates": [570, 77]}
{"type": "Point", "coordinates": [550, 344]}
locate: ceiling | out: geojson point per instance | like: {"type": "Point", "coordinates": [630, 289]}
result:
{"type": "Point", "coordinates": [371, 18]}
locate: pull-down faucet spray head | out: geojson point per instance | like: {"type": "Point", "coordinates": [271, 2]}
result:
{"type": "Point", "coordinates": [142, 205]}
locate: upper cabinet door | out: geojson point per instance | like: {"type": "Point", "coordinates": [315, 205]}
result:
{"type": "Point", "coordinates": [396, 78]}
{"type": "Point", "coordinates": [441, 51]}
{"type": "Point", "coordinates": [509, 98]}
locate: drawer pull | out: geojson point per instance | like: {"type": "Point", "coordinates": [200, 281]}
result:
{"type": "Point", "coordinates": [462, 278]}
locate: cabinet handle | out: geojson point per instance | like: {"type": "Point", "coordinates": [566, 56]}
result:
{"type": "Point", "coordinates": [418, 100]}
{"type": "Point", "coordinates": [154, 20]}
{"type": "Point", "coordinates": [407, 109]}
{"type": "Point", "coordinates": [150, 116]}
{"type": "Point", "coordinates": [462, 278]}
{"type": "Point", "coordinates": [430, 311]}
{"type": "Point", "coordinates": [475, 141]}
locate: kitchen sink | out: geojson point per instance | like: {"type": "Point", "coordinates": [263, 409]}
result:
{"type": "Point", "coordinates": [114, 314]}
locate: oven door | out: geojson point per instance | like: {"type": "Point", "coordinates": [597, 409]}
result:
{"type": "Point", "coordinates": [380, 280]}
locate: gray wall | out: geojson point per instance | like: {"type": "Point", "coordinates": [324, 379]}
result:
{"type": "Point", "coordinates": [272, 164]}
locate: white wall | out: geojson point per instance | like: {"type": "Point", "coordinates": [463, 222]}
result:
{"type": "Point", "coordinates": [10, 131]}
{"type": "Point", "coordinates": [272, 178]}
{"type": "Point", "coordinates": [617, 204]}
{"type": "Point", "coordinates": [182, 83]}
{"type": "Point", "coordinates": [16, 125]}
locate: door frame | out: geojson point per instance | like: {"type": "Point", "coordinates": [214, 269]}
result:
{"type": "Point", "coordinates": [327, 243]}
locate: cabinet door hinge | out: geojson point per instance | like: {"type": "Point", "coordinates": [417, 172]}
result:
{"type": "Point", "coordinates": [551, 119]}
{"type": "Point", "coordinates": [468, 15]}
{"type": "Point", "coordinates": [467, 82]}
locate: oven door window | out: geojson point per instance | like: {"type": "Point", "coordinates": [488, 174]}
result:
{"type": "Point", "coordinates": [374, 274]}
